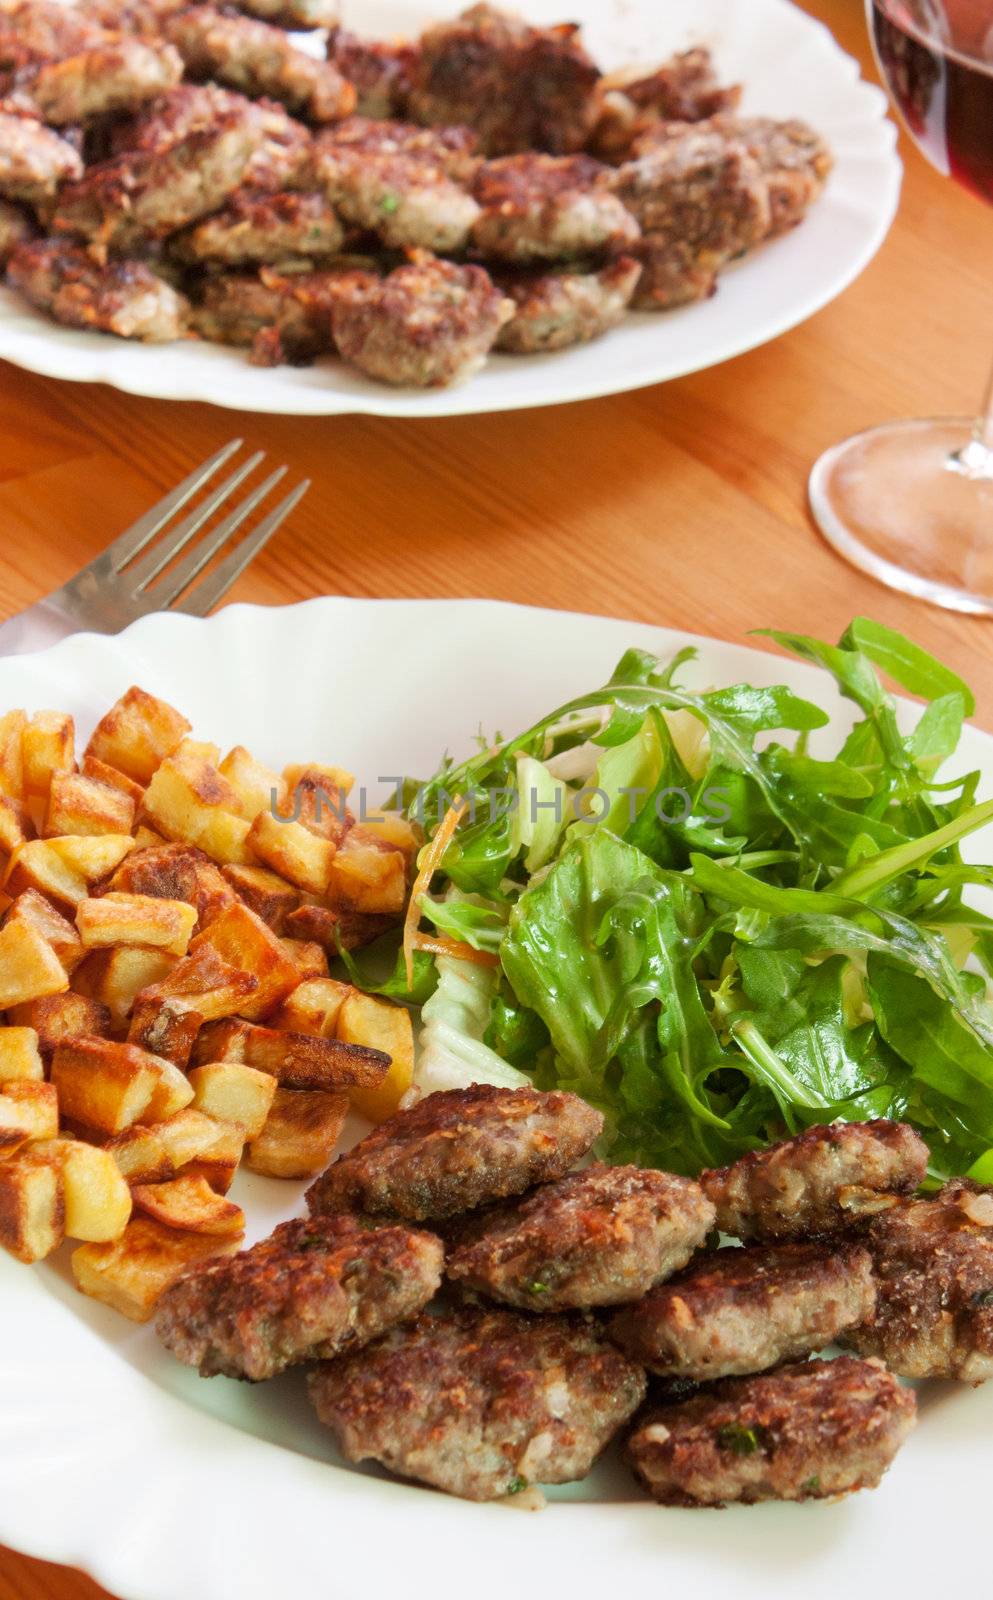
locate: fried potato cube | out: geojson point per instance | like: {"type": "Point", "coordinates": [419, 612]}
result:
{"type": "Point", "coordinates": [173, 1090]}
{"type": "Point", "coordinates": [104, 1085]}
{"type": "Point", "coordinates": [393, 831]}
{"type": "Point", "coordinates": [265, 893]}
{"type": "Point", "coordinates": [28, 1110]}
{"type": "Point", "coordinates": [34, 911]}
{"type": "Point", "coordinates": [116, 977]}
{"type": "Point", "coordinates": [293, 851]}
{"type": "Point", "coordinates": [302, 1061]}
{"type": "Point", "coordinates": [29, 967]}
{"type": "Point", "coordinates": [97, 1198]}
{"type": "Point", "coordinates": [58, 1018]}
{"type": "Point", "coordinates": [39, 866]}
{"type": "Point", "coordinates": [300, 774]}
{"type": "Point", "coordinates": [132, 1272]}
{"type": "Point", "coordinates": [146, 838]}
{"type": "Point", "coordinates": [16, 827]}
{"type": "Point", "coordinates": [137, 734]}
{"type": "Point", "coordinates": [93, 856]}
{"type": "Point", "coordinates": [365, 877]}
{"type": "Point", "coordinates": [339, 928]}
{"type": "Point", "coordinates": [48, 745]}
{"type": "Point", "coordinates": [244, 941]}
{"type": "Point", "coordinates": [308, 957]}
{"type": "Point", "coordinates": [257, 786]}
{"type": "Point", "coordinates": [189, 801]}
{"type": "Point", "coordinates": [319, 804]}
{"type": "Point", "coordinates": [92, 767]}
{"type": "Point", "coordinates": [78, 805]}
{"type": "Point", "coordinates": [300, 1133]}
{"type": "Point", "coordinates": [220, 1163]}
{"type": "Point", "coordinates": [230, 1092]}
{"type": "Point", "coordinates": [168, 1016]}
{"type": "Point", "coordinates": [222, 1041]}
{"type": "Point", "coordinates": [313, 1007]}
{"type": "Point", "coordinates": [32, 1206]}
{"type": "Point", "coordinates": [136, 919]}
{"type": "Point", "coordinates": [176, 872]}
{"type": "Point", "coordinates": [20, 1057]}
{"type": "Point", "coordinates": [365, 1020]}
{"type": "Point", "coordinates": [154, 1154]}
{"type": "Point", "coordinates": [191, 1205]}
{"type": "Point", "coordinates": [12, 726]}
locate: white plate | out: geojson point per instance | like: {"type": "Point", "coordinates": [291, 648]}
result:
{"type": "Point", "coordinates": [791, 67]}
{"type": "Point", "coordinates": [115, 1458]}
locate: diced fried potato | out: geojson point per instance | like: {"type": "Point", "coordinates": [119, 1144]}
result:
{"type": "Point", "coordinates": [319, 804]}
{"type": "Point", "coordinates": [191, 1205]}
{"type": "Point", "coordinates": [78, 805]}
{"type": "Point", "coordinates": [48, 745]}
{"type": "Point", "coordinates": [154, 1154]}
{"type": "Point", "coordinates": [92, 856]}
{"type": "Point", "coordinates": [293, 851]}
{"type": "Point", "coordinates": [12, 726]}
{"type": "Point", "coordinates": [220, 1163]}
{"type": "Point", "coordinates": [339, 928]}
{"type": "Point", "coordinates": [97, 1198]}
{"type": "Point", "coordinates": [16, 827]}
{"type": "Point", "coordinates": [313, 1007]}
{"type": "Point", "coordinates": [146, 838]}
{"type": "Point", "coordinates": [245, 942]}
{"type": "Point", "coordinates": [59, 1017]}
{"type": "Point", "coordinates": [366, 878]}
{"type": "Point", "coordinates": [116, 977]}
{"type": "Point", "coordinates": [104, 1085]}
{"type": "Point", "coordinates": [303, 1061]}
{"type": "Point", "coordinates": [257, 786]}
{"type": "Point", "coordinates": [173, 1091]}
{"type": "Point", "coordinates": [233, 1093]}
{"type": "Point", "coordinates": [221, 1041]}
{"type": "Point", "coordinates": [20, 1057]}
{"type": "Point", "coordinates": [265, 893]}
{"type": "Point", "coordinates": [166, 1027]}
{"type": "Point", "coordinates": [168, 1016]}
{"type": "Point", "coordinates": [188, 800]}
{"type": "Point", "coordinates": [137, 734]}
{"type": "Point", "coordinates": [32, 1206]}
{"type": "Point", "coordinates": [365, 1020]}
{"type": "Point", "coordinates": [38, 865]}
{"type": "Point", "coordinates": [29, 967]}
{"type": "Point", "coordinates": [136, 919]}
{"type": "Point", "coordinates": [331, 777]}
{"type": "Point", "coordinates": [92, 767]}
{"type": "Point", "coordinates": [393, 831]}
{"type": "Point", "coordinates": [131, 1273]}
{"type": "Point", "coordinates": [33, 910]}
{"type": "Point", "coordinates": [308, 957]}
{"type": "Point", "coordinates": [176, 872]}
{"type": "Point", "coordinates": [300, 1133]}
{"type": "Point", "coordinates": [28, 1110]}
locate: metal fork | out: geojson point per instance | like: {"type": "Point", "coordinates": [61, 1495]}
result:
{"type": "Point", "coordinates": [118, 587]}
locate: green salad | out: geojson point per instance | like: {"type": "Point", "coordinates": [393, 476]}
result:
{"type": "Point", "coordinates": [659, 899]}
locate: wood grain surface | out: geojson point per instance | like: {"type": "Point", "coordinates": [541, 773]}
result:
{"type": "Point", "coordinates": [682, 505]}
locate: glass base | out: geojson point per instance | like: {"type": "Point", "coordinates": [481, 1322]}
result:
{"type": "Point", "coordinates": [911, 503]}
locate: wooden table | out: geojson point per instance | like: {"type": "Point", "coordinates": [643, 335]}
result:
{"type": "Point", "coordinates": [681, 505]}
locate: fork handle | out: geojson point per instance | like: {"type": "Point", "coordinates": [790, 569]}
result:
{"type": "Point", "coordinates": [41, 625]}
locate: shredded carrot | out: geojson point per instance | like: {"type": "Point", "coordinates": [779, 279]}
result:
{"type": "Point", "coordinates": [438, 945]}
{"type": "Point", "coordinates": [422, 883]}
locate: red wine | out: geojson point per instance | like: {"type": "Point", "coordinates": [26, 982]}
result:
{"type": "Point", "coordinates": [937, 58]}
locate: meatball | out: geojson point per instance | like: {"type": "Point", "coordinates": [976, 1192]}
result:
{"type": "Point", "coordinates": [281, 317]}
{"type": "Point", "coordinates": [453, 150]}
{"type": "Point", "coordinates": [318, 1286]}
{"type": "Point", "coordinates": [458, 1149]}
{"type": "Point", "coordinates": [673, 273]}
{"type": "Point", "coordinates": [133, 197]}
{"type": "Point", "coordinates": [15, 227]}
{"type": "Point", "coordinates": [47, 30]}
{"type": "Point", "coordinates": [122, 297]}
{"type": "Point", "coordinates": [824, 1179]}
{"type": "Point", "coordinates": [522, 88]}
{"type": "Point", "coordinates": [281, 159]}
{"type": "Point", "coordinates": [407, 200]}
{"type": "Point", "coordinates": [685, 88]}
{"type": "Point", "coordinates": [601, 1237]}
{"type": "Point", "coordinates": [260, 60]}
{"type": "Point", "coordinates": [378, 70]}
{"type": "Point", "coordinates": [554, 310]}
{"type": "Point", "coordinates": [34, 161]}
{"type": "Point", "coordinates": [117, 76]}
{"type": "Point", "coordinates": [793, 159]}
{"type": "Point", "coordinates": [740, 1311]}
{"type": "Point", "coordinates": [548, 208]}
{"type": "Point", "coordinates": [934, 1274]}
{"type": "Point", "coordinates": [293, 13]}
{"type": "Point", "coordinates": [256, 226]}
{"type": "Point", "coordinates": [480, 1404]}
{"type": "Point", "coordinates": [806, 1432]}
{"type": "Point", "coordinates": [426, 325]}
{"type": "Point", "coordinates": [700, 188]}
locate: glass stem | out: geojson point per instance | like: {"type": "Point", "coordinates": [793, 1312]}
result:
{"type": "Point", "coordinates": [976, 459]}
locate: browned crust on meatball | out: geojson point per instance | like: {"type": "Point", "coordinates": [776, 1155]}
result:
{"type": "Point", "coordinates": [736, 1312]}
{"type": "Point", "coordinates": [555, 310]}
{"type": "Point", "coordinates": [112, 77]}
{"type": "Point", "coordinates": [260, 60]}
{"type": "Point", "coordinates": [826, 1178]}
{"type": "Point", "coordinates": [316, 1287]}
{"type": "Point", "coordinates": [458, 1149]}
{"type": "Point", "coordinates": [15, 227]}
{"type": "Point", "coordinates": [548, 208]}
{"type": "Point", "coordinates": [46, 30]}
{"type": "Point", "coordinates": [120, 297]}
{"type": "Point", "coordinates": [454, 150]}
{"type": "Point", "coordinates": [807, 1432]}
{"type": "Point", "coordinates": [700, 188]}
{"type": "Point", "coordinates": [406, 200]}
{"type": "Point", "coordinates": [793, 158]}
{"type": "Point", "coordinates": [481, 1403]}
{"type": "Point", "coordinates": [934, 1274]}
{"type": "Point", "coordinates": [599, 1237]}
{"type": "Point", "coordinates": [281, 317]}
{"type": "Point", "coordinates": [686, 88]}
{"type": "Point", "coordinates": [673, 273]}
{"type": "Point", "coordinates": [302, 14]}
{"type": "Point", "coordinates": [34, 161]}
{"type": "Point", "coordinates": [281, 159]}
{"type": "Point", "coordinates": [258, 226]}
{"type": "Point", "coordinates": [379, 70]}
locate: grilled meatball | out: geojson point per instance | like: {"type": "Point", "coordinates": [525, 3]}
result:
{"type": "Point", "coordinates": [824, 1179]}
{"type": "Point", "coordinates": [807, 1432]}
{"type": "Point", "coordinates": [117, 76]}
{"type": "Point", "coordinates": [293, 13]}
{"type": "Point", "coordinates": [458, 1149]}
{"type": "Point", "coordinates": [122, 297]}
{"type": "Point", "coordinates": [260, 60]}
{"type": "Point", "coordinates": [133, 197]}
{"type": "Point", "coordinates": [379, 71]}
{"type": "Point", "coordinates": [601, 1237]}
{"type": "Point", "coordinates": [46, 30]}
{"type": "Point", "coordinates": [282, 317]}
{"type": "Point", "coordinates": [700, 188]}
{"type": "Point", "coordinates": [548, 208]}
{"type": "Point", "coordinates": [685, 88]}
{"type": "Point", "coordinates": [793, 159]}
{"type": "Point", "coordinates": [281, 159]}
{"type": "Point", "coordinates": [256, 226]}
{"type": "Point", "coordinates": [34, 161]}
{"type": "Point", "coordinates": [522, 88]}
{"type": "Point", "coordinates": [673, 273]}
{"type": "Point", "coordinates": [480, 1404]}
{"type": "Point", "coordinates": [557, 309]}
{"type": "Point", "coordinates": [424, 326]}
{"type": "Point", "coordinates": [934, 1274]}
{"type": "Point", "coordinates": [15, 227]}
{"type": "Point", "coordinates": [453, 150]}
{"type": "Point", "coordinates": [318, 1286]}
{"type": "Point", "coordinates": [407, 200]}
{"type": "Point", "coordinates": [740, 1311]}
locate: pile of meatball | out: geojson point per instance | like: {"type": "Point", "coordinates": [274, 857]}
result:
{"type": "Point", "coordinates": [171, 171]}
{"type": "Point", "coordinates": [484, 1313]}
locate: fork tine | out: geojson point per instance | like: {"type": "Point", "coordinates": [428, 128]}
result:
{"type": "Point", "coordinates": [176, 539]}
{"type": "Point", "coordinates": [134, 539]}
{"type": "Point", "coordinates": [173, 584]}
{"type": "Point", "coordinates": [212, 589]}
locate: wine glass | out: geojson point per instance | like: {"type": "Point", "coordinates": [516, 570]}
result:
{"type": "Point", "coordinates": [911, 502]}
